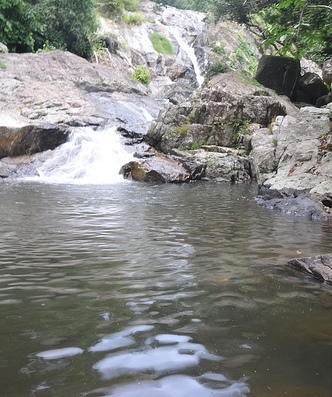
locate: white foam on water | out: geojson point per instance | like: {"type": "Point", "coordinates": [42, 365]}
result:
{"type": "Point", "coordinates": [89, 157]}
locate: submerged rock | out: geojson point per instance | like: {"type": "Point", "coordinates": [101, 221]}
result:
{"type": "Point", "coordinates": [294, 202]}
{"type": "Point", "coordinates": [319, 267]}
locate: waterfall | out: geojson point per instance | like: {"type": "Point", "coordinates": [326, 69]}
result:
{"type": "Point", "coordinates": [189, 50]}
{"type": "Point", "coordinates": [88, 157]}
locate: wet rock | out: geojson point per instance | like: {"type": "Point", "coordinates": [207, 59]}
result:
{"type": "Point", "coordinates": [19, 137]}
{"type": "Point", "coordinates": [327, 200]}
{"type": "Point", "coordinates": [157, 169]}
{"type": "Point", "coordinates": [111, 43]}
{"type": "Point", "coordinates": [294, 203]}
{"type": "Point", "coordinates": [319, 267]}
{"type": "Point", "coordinates": [139, 172]}
{"type": "Point", "coordinates": [324, 100]}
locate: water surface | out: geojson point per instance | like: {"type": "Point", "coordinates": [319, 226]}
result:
{"type": "Point", "coordinates": [158, 291]}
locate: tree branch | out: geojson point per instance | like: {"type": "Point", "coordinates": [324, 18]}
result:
{"type": "Point", "coordinates": [320, 6]}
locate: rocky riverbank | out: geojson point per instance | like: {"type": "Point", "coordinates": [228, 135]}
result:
{"type": "Point", "coordinates": [228, 129]}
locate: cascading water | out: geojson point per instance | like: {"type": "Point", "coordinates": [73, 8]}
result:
{"type": "Point", "coordinates": [189, 50]}
{"type": "Point", "coordinates": [88, 157]}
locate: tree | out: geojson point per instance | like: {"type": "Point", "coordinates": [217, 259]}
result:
{"type": "Point", "coordinates": [301, 28]}
{"type": "Point", "coordinates": [69, 24]}
{"type": "Point", "coordinates": [293, 27]}
{"type": "Point", "coordinates": [27, 25]}
{"type": "Point", "coordinates": [20, 24]}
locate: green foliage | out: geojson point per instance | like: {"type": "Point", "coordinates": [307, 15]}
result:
{"type": "Point", "coordinates": [2, 64]}
{"type": "Point", "coordinates": [196, 145]}
{"type": "Point", "coordinates": [301, 28]}
{"type": "Point", "coordinates": [141, 74]}
{"type": "Point", "coordinates": [161, 44]}
{"type": "Point", "coordinates": [109, 8]}
{"type": "Point", "coordinates": [245, 55]}
{"type": "Point", "coordinates": [130, 5]}
{"type": "Point", "coordinates": [20, 25]}
{"type": "Point", "coordinates": [69, 24]}
{"type": "Point", "coordinates": [31, 25]}
{"type": "Point", "coordinates": [47, 47]}
{"type": "Point", "coordinates": [219, 49]}
{"type": "Point", "coordinates": [293, 27]}
{"type": "Point", "coordinates": [181, 129]}
{"type": "Point", "coordinates": [198, 5]}
{"type": "Point", "coordinates": [133, 18]}
{"type": "Point", "coordinates": [216, 68]}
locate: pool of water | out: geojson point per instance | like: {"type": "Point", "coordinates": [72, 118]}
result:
{"type": "Point", "coordinates": [158, 291]}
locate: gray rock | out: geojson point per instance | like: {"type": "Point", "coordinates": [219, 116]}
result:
{"type": "Point", "coordinates": [216, 114]}
{"type": "Point", "coordinates": [155, 169]}
{"type": "Point", "coordinates": [327, 71]}
{"type": "Point", "coordinates": [295, 203]}
{"type": "Point", "coordinates": [18, 137]}
{"type": "Point", "coordinates": [295, 153]}
{"type": "Point", "coordinates": [319, 267]}
{"type": "Point", "coordinates": [3, 48]}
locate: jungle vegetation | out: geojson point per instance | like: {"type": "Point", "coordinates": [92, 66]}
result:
{"type": "Point", "coordinates": [292, 27]}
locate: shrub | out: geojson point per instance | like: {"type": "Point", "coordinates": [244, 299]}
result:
{"type": "Point", "coordinates": [219, 49]}
{"type": "Point", "coordinates": [161, 44]}
{"type": "Point", "coordinates": [130, 5]}
{"type": "Point", "coordinates": [133, 18]}
{"type": "Point", "coordinates": [141, 74]}
{"type": "Point", "coordinates": [196, 145]}
{"type": "Point", "coordinates": [216, 68]}
{"type": "Point", "coordinates": [2, 64]}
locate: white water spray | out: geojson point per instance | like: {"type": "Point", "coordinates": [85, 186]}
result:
{"type": "Point", "coordinates": [88, 157]}
{"type": "Point", "coordinates": [189, 50]}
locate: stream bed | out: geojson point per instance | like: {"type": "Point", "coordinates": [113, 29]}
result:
{"type": "Point", "coordinates": [158, 291]}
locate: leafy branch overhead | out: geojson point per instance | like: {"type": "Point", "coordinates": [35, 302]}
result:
{"type": "Point", "coordinates": [292, 27]}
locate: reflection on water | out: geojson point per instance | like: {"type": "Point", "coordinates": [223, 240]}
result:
{"type": "Point", "coordinates": [159, 291]}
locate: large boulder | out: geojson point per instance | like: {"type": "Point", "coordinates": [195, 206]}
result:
{"type": "Point", "coordinates": [294, 202]}
{"type": "Point", "coordinates": [294, 158]}
{"type": "Point", "coordinates": [221, 164]}
{"type": "Point", "coordinates": [279, 73]}
{"type": "Point", "coordinates": [18, 137]}
{"type": "Point", "coordinates": [55, 87]}
{"type": "Point", "coordinates": [295, 152]}
{"type": "Point", "coordinates": [217, 114]}
{"type": "Point", "coordinates": [156, 168]}
{"type": "Point", "coordinates": [311, 87]}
